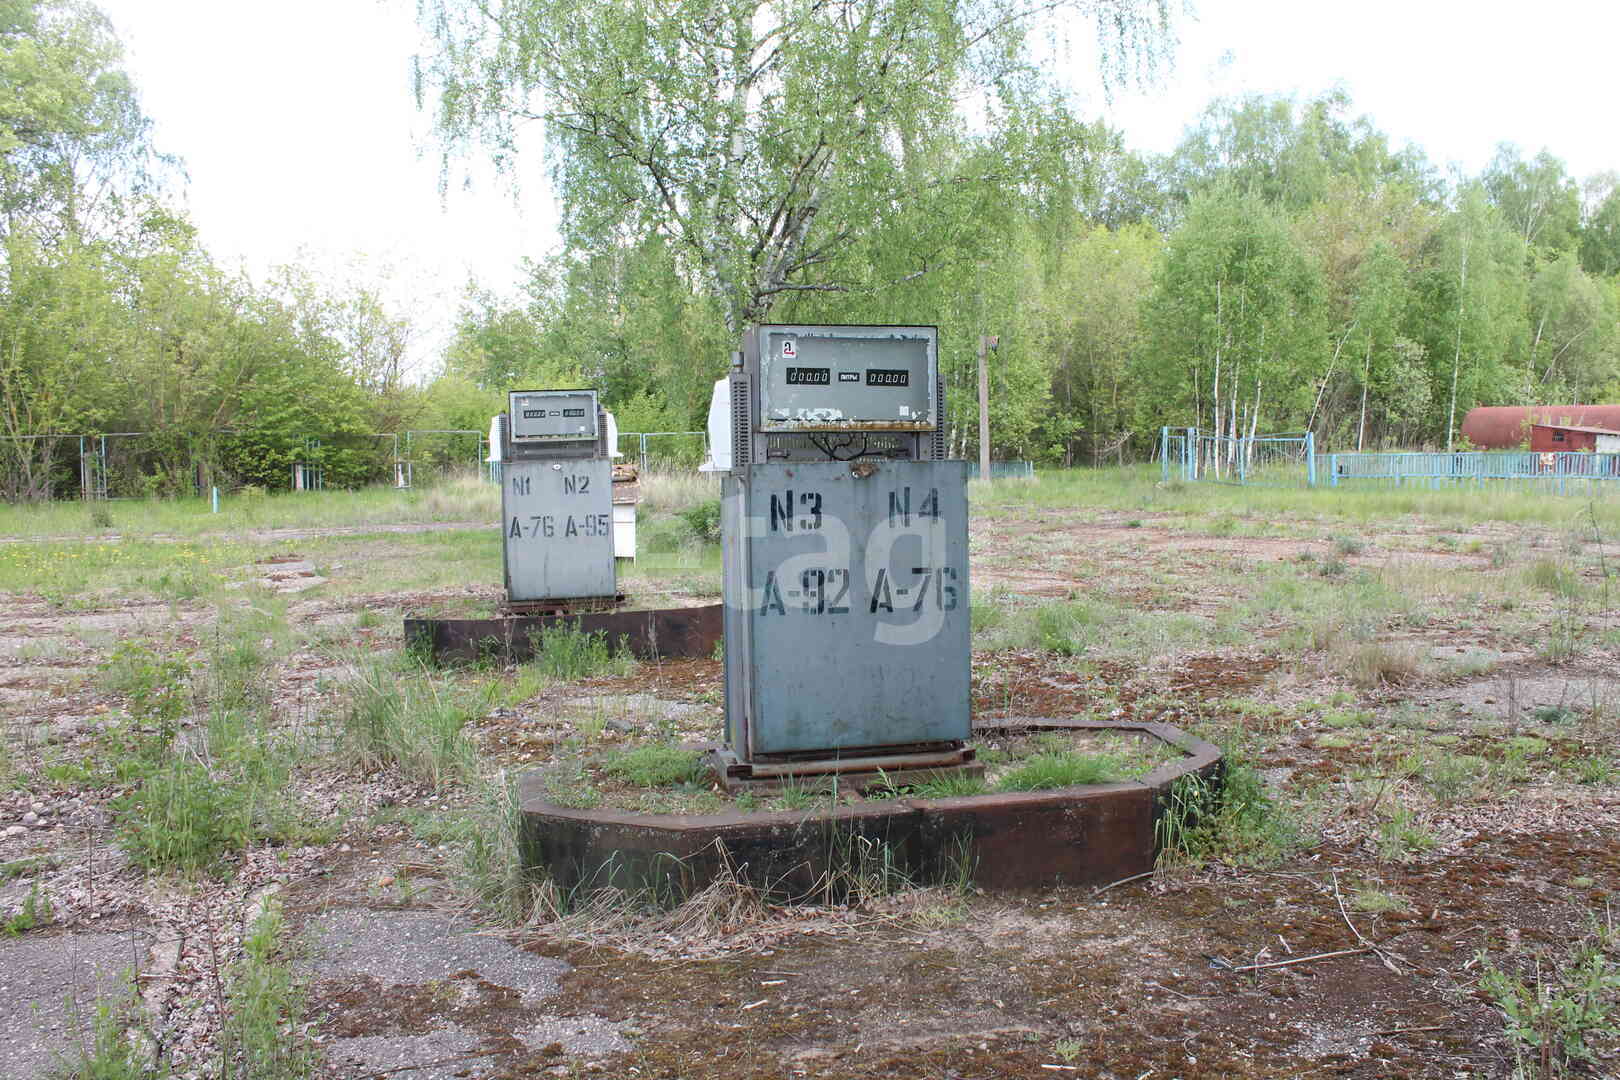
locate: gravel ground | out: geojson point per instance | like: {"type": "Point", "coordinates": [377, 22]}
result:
{"type": "Point", "coordinates": [408, 948]}
{"type": "Point", "coordinates": [438, 1055]}
{"type": "Point", "coordinates": [48, 990]}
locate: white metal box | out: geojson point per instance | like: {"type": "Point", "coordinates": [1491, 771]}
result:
{"type": "Point", "coordinates": [552, 416]}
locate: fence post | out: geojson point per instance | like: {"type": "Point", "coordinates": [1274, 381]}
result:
{"type": "Point", "coordinates": [1189, 459]}
{"type": "Point", "coordinates": [1310, 459]}
{"type": "Point", "coordinates": [1333, 470]}
{"type": "Point", "coordinates": [1164, 452]}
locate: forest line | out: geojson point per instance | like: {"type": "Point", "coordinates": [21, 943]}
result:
{"type": "Point", "coordinates": [1284, 268]}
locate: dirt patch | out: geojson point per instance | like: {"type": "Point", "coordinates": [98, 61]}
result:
{"type": "Point", "coordinates": [1134, 981]}
{"type": "Point", "coordinates": [1514, 697]}
{"type": "Point", "coordinates": [287, 574]}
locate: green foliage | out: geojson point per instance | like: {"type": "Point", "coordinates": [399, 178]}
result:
{"type": "Point", "coordinates": [1236, 312]}
{"type": "Point", "coordinates": [654, 765]}
{"type": "Point", "coordinates": [988, 612]}
{"type": "Point", "coordinates": [1042, 772]}
{"type": "Point", "coordinates": [572, 787]}
{"type": "Point", "coordinates": [1595, 769]}
{"type": "Point", "coordinates": [410, 721]}
{"type": "Point", "coordinates": [68, 113]}
{"type": "Point", "coordinates": [1283, 269]}
{"type": "Point", "coordinates": [1401, 835]}
{"type": "Point", "coordinates": [111, 1054]}
{"type": "Point", "coordinates": [183, 817]}
{"type": "Point", "coordinates": [153, 685]}
{"type": "Point", "coordinates": [263, 1036]}
{"type": "Point", "coordinates": [1066, 629]}
{"type": "Point", "coordinates": [567, 654]}
{"type": "Point", "coordinates": [1553, 1010]}
{"type": "Point", "coordinates": [491, 867]}
{"type": "Point", "coordinates": [1553, 577]}
{"type": "Point", "coordinates": [759, 190]}
{"type": "Point", "coordinates": [1452, 777]}
{"type": "Point", "coordinates": [704, 521]}
{"type": "Point", "coordinates": [1536, 198]}
{"type": "Point", "coordinates": [949, 785]}
{"type": "Point", "coordinates": [1229, 819]}
{"type": "Point", "coordinates": [34, 913]}
{"type": "Point", "coordinates": [1376, 901]}
{"type": "Point", "coordinates": [1083, 626]}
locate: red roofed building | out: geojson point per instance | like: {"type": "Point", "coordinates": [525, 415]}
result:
{"type": "Point", "coordinates": [1549, 438]}
{"type": "Point", "coordinates": [1507, 427]}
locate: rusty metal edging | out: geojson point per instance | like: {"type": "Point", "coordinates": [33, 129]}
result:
{"type": "Point", "coordinates": [1090, 834]}
{"type": "Point", "coordinates": [664, 633]}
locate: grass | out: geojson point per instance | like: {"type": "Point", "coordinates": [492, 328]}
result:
{"type": "Point", "coordinates": [1376, 901]}
{"type": "Point", "coordinates": [1553, 577]}
{"type": "Point", "coordinates": [1085, 626]}
{"type": "Point", "coordinates": [1139, 489]}
{"type": "Point", "coordinates": [193, 804]}
{"type": "Point", "coordinates": [1401, 836]}
{"type": "Point", "coordinates": [1231, 819]}
{"type": "Point", "coordinates": [950, 786]}
{"type": "Point", "coordinates": [263, 1035]}
{"type": "Point", "coordinates": [183, 817]}
{"type": "Point", "coordinates": [672, 491]}
{"type": "Point", "coordinates": [461, 497]}
{"type": "Point", "coordinates": [110, 1053]}
{"type": "Point", "coordinates": [1045, 771]}
{"type": "Point", "coordinates": [1450, 778]}
{"type": "Point", "coordinates": [567, 654]}
{"type": "Point", "coordinates": [34, 913]}
{"type": "Point", "coordinates": [408, 720]}
{"type": "Point", "coordinates": [489, 860]}
{"type": "Point", "coordinates": [1370, 664]}
{"type": "Point", "coordinates": [186, 804]}
{"type": "Point", "coordinates": [654, 766]}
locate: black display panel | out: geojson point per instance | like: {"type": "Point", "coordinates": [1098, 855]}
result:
{"type": "Point", "coordinates": [888, 377]}
{"type": "Point", "coordinates": [809, 376]}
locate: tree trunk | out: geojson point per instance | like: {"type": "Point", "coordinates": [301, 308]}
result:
{"type": "Point", "coordinates": [1366, 377]}
{"type": "Point", "coordinates": [1456, 356]}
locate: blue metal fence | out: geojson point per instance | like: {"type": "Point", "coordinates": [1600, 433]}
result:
{"type": "Point", "coordinates": [1287, 460]}
{"type": "Point", "coordinates": [1189, 455]}
{"type": "Point", "coordinates": [1005, 470]}
{"type": "Point", "coordinates": [1556, 473]}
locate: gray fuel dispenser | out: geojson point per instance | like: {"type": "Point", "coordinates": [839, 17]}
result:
{"type": "Point", "coordinates": [556, 500]}
{"type": "Point", "coordinates": [845, 569]}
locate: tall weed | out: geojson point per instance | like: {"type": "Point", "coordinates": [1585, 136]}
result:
{"type": "Point", "coordinates": [412, 722]}
{"type": "Point", "coordinates": [262, 1035]}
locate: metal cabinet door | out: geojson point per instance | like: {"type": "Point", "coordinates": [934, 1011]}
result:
{"type": "Point", "coordinates": [557, 529]}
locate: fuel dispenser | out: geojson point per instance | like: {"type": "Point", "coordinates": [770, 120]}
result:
{"type": "Point", "coordinates": [845, 572]}
{"type": "Point", "coordinates": [556, 500]}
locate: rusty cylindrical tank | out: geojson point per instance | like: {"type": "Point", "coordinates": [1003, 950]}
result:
{"type": "Point", "coordinates": [1506, 427]}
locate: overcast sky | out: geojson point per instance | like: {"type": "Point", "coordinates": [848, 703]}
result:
{"type": "Point", "coordinates": [302, 141]}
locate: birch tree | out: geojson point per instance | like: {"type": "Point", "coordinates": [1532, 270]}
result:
{"type": "Point", "coordinates": [760, 136]}
{"type": "Point", "coordinates": [1235, 317]}
{"type": "Point", "coordinates": [70, 121]}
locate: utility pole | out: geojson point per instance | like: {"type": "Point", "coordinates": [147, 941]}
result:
{"type": "Point", "coordinates": [987, 343]}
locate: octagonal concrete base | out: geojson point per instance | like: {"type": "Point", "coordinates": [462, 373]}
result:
{"type": "Point", "coordinates": [1085, 835]}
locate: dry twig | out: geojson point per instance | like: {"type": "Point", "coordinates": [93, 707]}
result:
{"type": "Point", "coordinates": [1382, 958]}
{"type": "Point", "coordinates": [1301, 959]}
